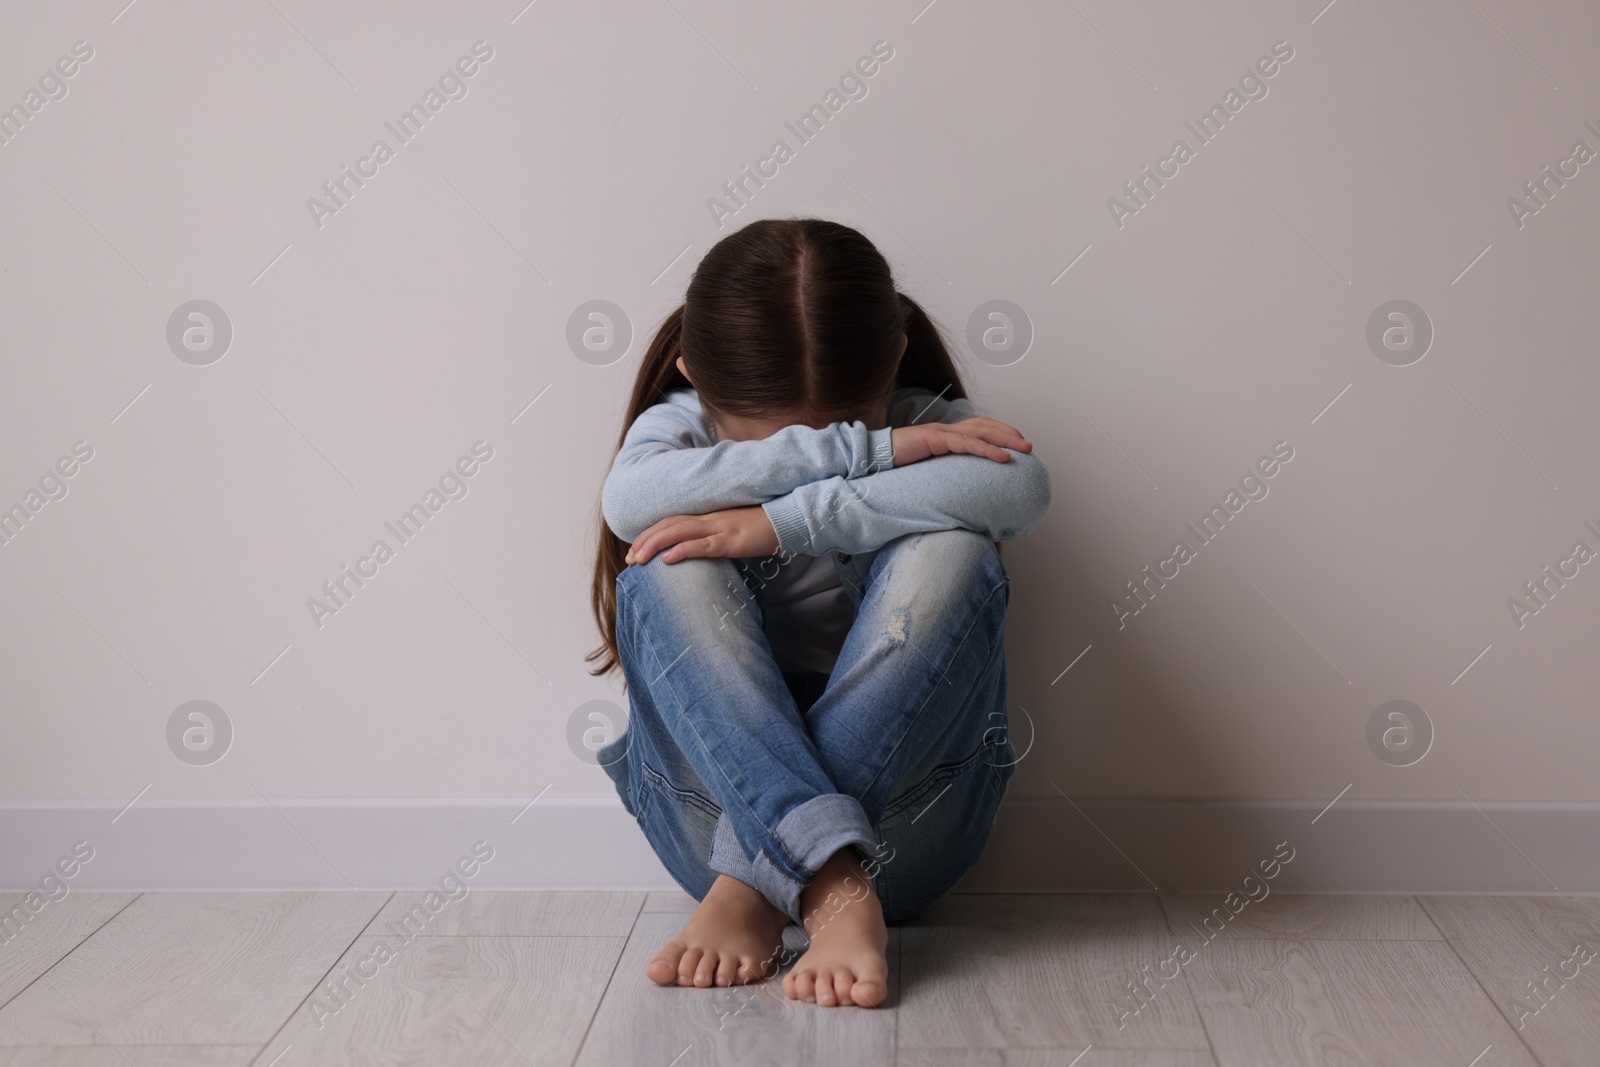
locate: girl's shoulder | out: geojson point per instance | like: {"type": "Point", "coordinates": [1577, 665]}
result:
{"type": "Point", "coordinates": [679, 415]}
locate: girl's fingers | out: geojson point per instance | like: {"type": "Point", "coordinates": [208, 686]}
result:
{"type": "Point", "coordinates": [975, 446]}
{"type": "Point", "coordinates": [724, 533]}
{"type": "Point", "coordinates": [1004, 440]}
{"type": "Point", "coordinates": [663, 534]}
{"type": "Point", "coordinates": [1010, 439]}
{"type": "Point", "coordinates": [1001, 434]}
{"type": "Point", "coordinates": [695, 548]}
{"type": "Point", "coordinates": [989, 451]}
{"type": "Point", "coordinates": [996, 433]}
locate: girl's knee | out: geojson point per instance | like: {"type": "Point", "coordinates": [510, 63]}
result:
{"type": "Point", "coordinates": [966, 549]}
{"type": "Point", "coordinates": [710, 584]}
{"type": "Point", "coordinates": [686, 573]}
{"type": "Point", "coordinates": [664, 609]}
{"type": "Point", "coordinates": [947, 560]}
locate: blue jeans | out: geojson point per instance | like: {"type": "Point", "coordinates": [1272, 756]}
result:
{"type": "Point", "coordinates": [732, 766]}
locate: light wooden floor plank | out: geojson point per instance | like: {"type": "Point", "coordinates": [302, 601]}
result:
{"type": "Point", "coordinates": [1508, 942]}
{"type": "Point", "coordinates": [1300, 916]}
{"type": "Point", "coordinates": [499, 977]}
{"type": "Point", "coordinates": [1044, 972]}
{"type": "Point", "coordinates": [511, 913]}
{"type": "Point", "coordinates": [640, 1022]}
{"type": "Point", "coordinates": [137, 1055]}
{"type": "Point", "coordinates": [190, 969]}
{"type": "Point", "coordinates": [1094, 1057]}
{"type": "Point", "coordinates": [675, 901]}
{"type": "Point", "coordinates": [484, 1001]}
{"type": "Point", "coordinates": [1379, 1003]}
{"type": "Point", "coordinates": [38, 939]}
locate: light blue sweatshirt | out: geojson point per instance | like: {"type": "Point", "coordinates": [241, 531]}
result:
{"type": "Point", "coordinates": [829, 491]}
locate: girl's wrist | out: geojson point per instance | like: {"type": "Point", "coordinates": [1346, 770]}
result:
{"type": "Point", "coordinates": [880, 454]}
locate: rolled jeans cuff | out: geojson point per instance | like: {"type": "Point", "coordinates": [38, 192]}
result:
{"type": "Point", "coordinates": [808, 835]}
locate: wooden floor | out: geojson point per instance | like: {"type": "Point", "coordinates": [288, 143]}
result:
{"type": "Point", "coordinates": [294, 979]}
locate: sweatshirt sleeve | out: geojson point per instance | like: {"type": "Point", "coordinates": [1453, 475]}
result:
{"type": "Point", "coordinates": [669, 465]}
{"type": "Point", "coordinates": [1000, 500]}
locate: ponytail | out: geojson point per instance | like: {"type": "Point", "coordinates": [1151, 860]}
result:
{"type": "Point", "coordinates": [927, 363]}
{"type": "Point", "coordinates": [658, 375]}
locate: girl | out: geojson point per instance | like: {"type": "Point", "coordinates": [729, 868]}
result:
{"type": "Point", "coordinates": [798, 577]}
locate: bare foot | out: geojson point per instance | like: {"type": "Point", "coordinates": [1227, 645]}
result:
{"type": "Point", "coordinates": [733, 937]}
{"type": "Point", "coordinates": [847, 961]}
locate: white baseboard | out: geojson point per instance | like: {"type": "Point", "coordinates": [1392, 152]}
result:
{"type": "Point", "coordinates": [1043, 844]}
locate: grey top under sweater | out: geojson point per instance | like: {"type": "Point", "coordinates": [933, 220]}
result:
{"type": "Point", "coordinates": [808, 614]}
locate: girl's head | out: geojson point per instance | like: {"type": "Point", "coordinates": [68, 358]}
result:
{"type": "Point", "coordinates": [785, 321]}
{"type": "Point", "coordinates": [792, 321]}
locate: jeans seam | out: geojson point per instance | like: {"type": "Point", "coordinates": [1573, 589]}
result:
{"type": "Point", "coordinates": [943, 773]}
{"type": "Point", "coordinates": [641, 798]}
{"type": "Point", "coordinates": [909, 910]}
{"type": "Point", "coordinates": [687, 796]}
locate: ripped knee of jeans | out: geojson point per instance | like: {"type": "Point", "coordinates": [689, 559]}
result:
{"type": "Point", "coordinates": [899, 621]}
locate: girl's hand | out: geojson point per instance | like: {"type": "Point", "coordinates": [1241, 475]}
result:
{"type": "Point", "coordinates": [974, 437]}
{"type": "Point", "coordinates": [735, 533]}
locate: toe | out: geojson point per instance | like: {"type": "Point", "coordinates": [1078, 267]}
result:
{"type": "Point", "coordinates": [663, 968]}
{"type": "Point", "coordinates": [687, 964]}
{"type": "Point", "coordinates": [805, 986]}
{"type": "Point", "coordinates": [727, 971]}
{"type": "Point", "coordinates": [842, 982]}
{"type": "Point", "coordinates": [869, 992]}
{"type": "Point", "coordinates": [706, 971]}
{"type": "Point", "coordinates": [826, 997]}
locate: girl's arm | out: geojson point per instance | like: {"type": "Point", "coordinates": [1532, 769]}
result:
{"type": "Point", "coordinates": [669, 465]}
{"type": "Point", "coordinates": [1000, 500]}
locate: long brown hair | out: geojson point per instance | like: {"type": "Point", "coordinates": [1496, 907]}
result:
{"type": "Point", "coordinates": [797, 318]}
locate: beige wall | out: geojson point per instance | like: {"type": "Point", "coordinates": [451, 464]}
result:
{"type": "Point", "coordinates": [1221, 318]}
